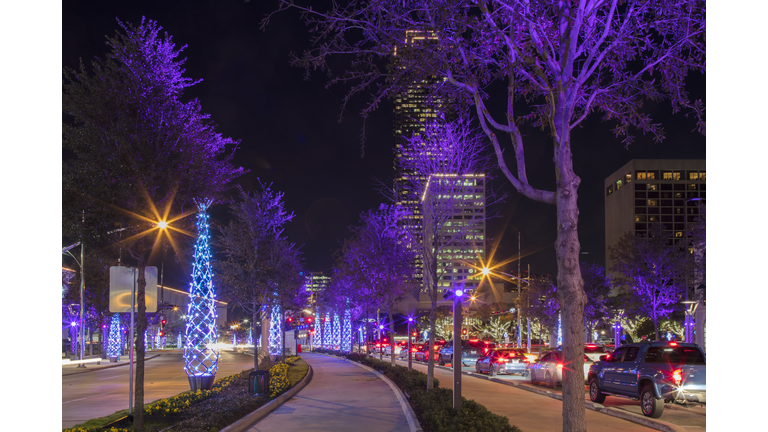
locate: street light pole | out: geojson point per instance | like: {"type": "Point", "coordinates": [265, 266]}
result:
{"type": "Point", "coordinates": [410, 352]}
{"type": "Point", "coordinates": [457, 350]}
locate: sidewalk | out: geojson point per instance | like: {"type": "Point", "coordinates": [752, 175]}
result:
{"type": "Point", "coordinates": [341, 397]}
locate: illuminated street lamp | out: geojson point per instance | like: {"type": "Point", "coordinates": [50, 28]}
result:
{"type": "Point", "coordinates": [66, 250]}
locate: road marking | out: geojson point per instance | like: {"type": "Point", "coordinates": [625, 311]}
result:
{"type": "Point", "coordinates": [116, 376]}
{"type": "Point", "coordinates": [75, 400]}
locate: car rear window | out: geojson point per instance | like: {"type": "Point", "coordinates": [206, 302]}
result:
{"type": "Point", "coordinates": [675, 355]}
{"type": "Point", "coordinates": [594, 349]}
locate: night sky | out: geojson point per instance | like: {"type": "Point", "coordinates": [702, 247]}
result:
{"type": "Point", "coordinates": [290, 134]}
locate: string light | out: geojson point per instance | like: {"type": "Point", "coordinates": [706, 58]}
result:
{"type": "Point", "coordinates": [178, 340]}
{"type": "Point", "coordinates": [346, 334]}
{"type": "Point", "coordinates": [115, 337]}
{"type": "Point", "coordinates": [336, 338]}
{"type": "Point", "coordinates": [275, 331]}
{"type": "Point", "coordinates": [200, 358]}
{"type": "Point", "coordinates": [327, 331]}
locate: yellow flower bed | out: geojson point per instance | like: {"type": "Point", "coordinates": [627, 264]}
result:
{"type": "Point", "coordinates": [278, 376]}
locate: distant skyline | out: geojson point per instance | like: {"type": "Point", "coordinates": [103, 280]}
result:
{"type": "Point", "coordinates": [290, 135]}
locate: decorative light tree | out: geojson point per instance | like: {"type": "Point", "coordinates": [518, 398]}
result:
{"type": "Point", "coordinates": [250, 337]}
{"type": "Point", "coordinates": [336, 340]}
{"type": "Point", "coordinates": [234, 339]}
{"type": "Point", "coordinates": [178, 340]}
{"type": "Point", "coordinates": [115, 339]}
{"type": "Point", "coordinates": [327, 331]}
{"type": "Point", "coordinates": [316, 341]}
{"type": "Point", "coordinates": [346, 334]}
{"type": "Point", "coordinates": [201, 360]}
{"type": "Point", "coordinates": [275, 331]}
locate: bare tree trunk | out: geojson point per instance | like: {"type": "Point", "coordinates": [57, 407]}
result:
{"type": "Point", "coordinates": [392, 339]}
{"type": "Point", "coordinates": [254, 317]}
{"type": "Point", "coordinates": [656, 324]}
{"type": "Point", "coordinates": [431, 360]}
{"type": "Point", "coordinates": [569, 282]}
{"type": "Point", "coordinates": [141, 327]}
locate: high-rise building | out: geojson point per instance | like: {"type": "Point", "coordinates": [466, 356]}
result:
{"type": "Point", "coordinates": [645, 191]}
{"type": "Point", "coordinates": [464, 206]}
{"type": "Point", "coordinates": [413, 109]}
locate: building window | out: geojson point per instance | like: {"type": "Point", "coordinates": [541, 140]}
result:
{"type": "Point", "coordinates": [618, 184]}
{"type": "Point", "coordinates": [641, 175]}
{"type": "Point", "coordinates": [653, 219]}
{"type": "Point", "coordinates": [610, 190]}
{"type": "Point", "coordinates": [628, 178]}
{"type": "Point", "coordinates": [639, 218]}
{"type": "Point", "coordinates": [693, 175]}
{"type": "Point", "coordinates": [676, 175]}
{"type": "Point", "coordinates": [653, 187]}
{"type": "Point", "coordinates": [666, 175]}
{"type": "Point", "coordinates": [702, 175]}
{"type": "Point", "coordinates": [679, 195]}
{"type": "Point", "coordinates": [678, 234]}
{"type": "Point", "coordinates": [652, 175]}
{"type": "Point", "coordinates": [653, 203]}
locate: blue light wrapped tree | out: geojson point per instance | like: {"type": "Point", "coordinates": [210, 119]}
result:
{"type": "Point", "coordinates": [201, 356]}
{"type": "Point", "coordinates": [346, 333]}
{"type": "Point", "coordinates": [327, 331]}
{"type": "Point", "coordinates": [275, 332]}
{"type": "Point", "coordinates": [336, 340]}
{"type": "Point", "coordinates": [115, 339]}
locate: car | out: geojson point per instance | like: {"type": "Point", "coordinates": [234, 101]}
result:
{"type": "Point", "coordinates": [421, 354]}
{"type": "Point", "coordinates": [549, 368]}
{"type": "Point", "coordinates": [503, 361]}
{"type": "Point", "coordinates": [471, 350]}
{"type": "Point", "coordinates": [594, 351]}
{"type": "Point", "coordinates": [653, 373]}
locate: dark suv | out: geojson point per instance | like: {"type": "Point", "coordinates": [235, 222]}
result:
{"type": "Point", "coordinates": [652, 372]}
{"type": "Point", "coordinates": [471, 350]}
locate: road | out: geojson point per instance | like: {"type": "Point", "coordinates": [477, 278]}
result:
{"type": "Point", "coordinates": [496, 397]}
{"type": "Point", "coordinates": [98, 392]}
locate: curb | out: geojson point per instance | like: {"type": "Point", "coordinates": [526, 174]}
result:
{"type": "Point", "coordinates": [410, 416]}
{"type": "Point", "coordinates": [251, 419]}
{"type": "Point", "coordinates": [615, 412]}
{"type": "Point", "coordinates": [126, 363]}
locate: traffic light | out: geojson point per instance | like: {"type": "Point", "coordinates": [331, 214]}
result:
{"type": "Point", "coordinates": [463, 332]}
{"type": "Point", "coordinates": [163, 321]}
{"type": "Point", "coordinates": [415, 334]}
{"type": "Point", "coordinates": [162, 333]}
{"type": "Point", "coordinates": [309, 320]}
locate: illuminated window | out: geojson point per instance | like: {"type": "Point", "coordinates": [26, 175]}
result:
{"type": "Point", "coordinates": [653, 187]}
{"type": "Point", "coordinates": [641, 175]}
{"type": "Point", "coordinates": [618, 184]}
{"type": "Point", "coordinates": [702, 175]}
{"type": "Point", "coordinates": [666, 175]}
{"type": "Point", "coordinates": [652, 203]}
{"type": "Point", "coordinates": [639, 218]}
{"type": "Point", "coordinates": [679, 234]}
{"type": "Point", "coordinates": [651, 175]}
{"type": "Point", "coordinates": [628, 178]}
{"type": "Point", "coordinates": [610, 189]}
{"type": "Point", "coordinates": [692, 175]}
{"type": "Point", "coordinates": [676, 175]}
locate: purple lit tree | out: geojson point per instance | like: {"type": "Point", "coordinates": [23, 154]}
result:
{"type": "Point", "coordinates": [450, 163]}
{"type": "Point", "coordinates": [600, 303]}
{"type": "Point", "coordinates": [375, 265]}
{"type": "Point", "coordinates": [653, 269]}
{"type": "Point", "coordinates": [138, 147]}
{"type": "Point", "coordinates": [255, 253]}
{"type": "Point", "coordinates": [559, 61]}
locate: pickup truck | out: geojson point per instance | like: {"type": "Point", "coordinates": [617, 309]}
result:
{"type": "Point", "coordinates": [653, 373]}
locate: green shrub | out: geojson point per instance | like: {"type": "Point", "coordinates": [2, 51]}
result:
{"type": "Point", "coordinates": [434, 408]}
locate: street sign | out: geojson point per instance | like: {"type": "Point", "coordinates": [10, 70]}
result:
{"type": "Point", "coordinates": [121, 286]}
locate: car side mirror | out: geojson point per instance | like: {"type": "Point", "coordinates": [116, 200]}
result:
{"type": "Point", "coordinates": [603, 357]}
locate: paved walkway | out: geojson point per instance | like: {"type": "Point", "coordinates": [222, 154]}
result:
{"type": "Point", "coordinates": [341, 397]}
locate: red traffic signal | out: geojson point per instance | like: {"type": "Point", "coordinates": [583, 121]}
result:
{"type": "Point", "coordinates": [309, 319]}
{"type": "Point", "coordinates": [463, 332]}
{"type": "Point", "coordinates": [163, 321]}
{"type": "Point", "coordinates": [290, 319]}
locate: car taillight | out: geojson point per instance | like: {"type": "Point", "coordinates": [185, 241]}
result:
{"type": "Point", "coordinates": [559, 365]}
{"type": "Point", "coordinates": [677, 376]}
{"type": "Point", "coordinates": [673, 344]}
{"type": "Point", "coordinates": [502, 360]}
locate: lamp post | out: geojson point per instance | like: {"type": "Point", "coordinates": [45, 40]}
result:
{"type": "Point", "coordinates": [458, 295]}
{"type": "Point", "coordinates": [410, 353]}
{"type": "Point", "coordinates": [66, 250]}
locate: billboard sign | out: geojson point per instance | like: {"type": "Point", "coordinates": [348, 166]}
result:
{"type": "Point", "coordinates": [122, 281]}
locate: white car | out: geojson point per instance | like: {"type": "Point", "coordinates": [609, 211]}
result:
{"type": "Point", "coordinates": [594, 351]}
{"type": "Point", "coordinates": [549, 368]}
